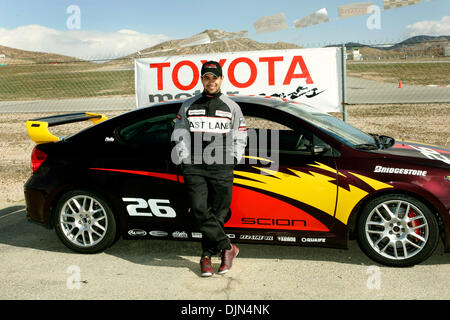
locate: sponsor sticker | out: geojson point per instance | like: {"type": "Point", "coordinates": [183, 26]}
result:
{"type": "Point", "coordinates": [286, 239]}
{"type": "Point", "coordinates": [255, 237]}
{"type": "Point", "coordinates": [158, 233]}
{"type": "Point", "coordinates": [196, 112]}
{"type": "Point", "coordinates": [432, 154]}
{"type": "Point", "coordinates": [313, 240]}
{"type": "Point", "coordinates": [413, 172]}
{"type": "Point", "coordinates": [242, 124]}
{"type": "Point", "coordinates": [196, 235]}
{"type": "Point", "coordinates": [137, 233]}
{"type": "Point", "coordinates": [225, 114]}
{"type": "Point", "coordinates": [180, 234]}
{"type": "Point", "coordinates": [209, 124]}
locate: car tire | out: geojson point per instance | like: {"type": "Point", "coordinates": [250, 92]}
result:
{"type": "Point", "coordinates": [84, 222]}
{"type": "Point", "coordinates": [397, 230]}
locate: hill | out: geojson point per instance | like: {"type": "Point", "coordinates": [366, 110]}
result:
{"type": "Point", "coordinates": [208, 41]}
{"type": "Point", "coordinates": [17, 56]}
{"type": "Point", "coordinates": [422, 42]}
{"type": "Point", "coordinates": [418, 46]}
{"type": "Point", "coordinates": [219, 41]}
{"type": "Point", "coordinates": [212, 40]}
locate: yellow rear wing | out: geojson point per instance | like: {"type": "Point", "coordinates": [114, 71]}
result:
{"type": "Point", "coordinates": [38, 128]}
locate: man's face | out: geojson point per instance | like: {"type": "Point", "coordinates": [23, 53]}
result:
{"type": "Point", "coordinates": [211, 83]}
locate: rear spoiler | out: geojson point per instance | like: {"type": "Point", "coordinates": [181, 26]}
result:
{"type": "Point", "coordinates": [38, 128]}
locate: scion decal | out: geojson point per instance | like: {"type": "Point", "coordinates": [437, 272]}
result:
{"type": "Point", "coordinates": [315, 189]}
{"type": "Point", "coordinates": [324, 167]}
{"type": "Point", "coordinates": [252, 209]}
{"type": "Point", "coordinates": [318, 190]}
{"type": "Point", "coordinates": [349, 197]}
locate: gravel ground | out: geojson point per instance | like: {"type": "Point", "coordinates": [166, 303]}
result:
{"type": "Point", "coordinates": [418, 122]}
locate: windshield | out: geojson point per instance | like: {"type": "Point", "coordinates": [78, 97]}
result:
{"type": "Point", "coordinates": [339, 129]}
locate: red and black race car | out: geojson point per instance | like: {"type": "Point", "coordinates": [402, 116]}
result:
{"type": "Point", "coordinates": [307, 179]}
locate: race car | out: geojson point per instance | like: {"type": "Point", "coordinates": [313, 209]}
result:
{"type": "Point", "coordinates": [306, 179]}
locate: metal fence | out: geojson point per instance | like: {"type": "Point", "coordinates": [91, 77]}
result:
{"type": "Point", "coordinates": [373, 76]}
{"type": "Point", "coordinates": [398, 78]}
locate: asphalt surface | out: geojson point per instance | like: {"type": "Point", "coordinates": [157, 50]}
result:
{"type": "Point", "coordinates": [69, 105]}
{"type": "Point", "coordinates": [34, 264]}
{"type": "Point", "coordinates": [361, 91]}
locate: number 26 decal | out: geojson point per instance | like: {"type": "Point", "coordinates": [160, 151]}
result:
{"type": "Point", "coordinates": [158, 208]}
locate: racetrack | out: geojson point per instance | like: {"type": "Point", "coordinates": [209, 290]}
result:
{"type": "Point", "coordinates": [70, 105]}
{"type": "Point", "coordinates": [36, 265]}
{"type": "Point", "coordinates": [362, 91]}
{"type": "Point", "coordinates": [359, 91]}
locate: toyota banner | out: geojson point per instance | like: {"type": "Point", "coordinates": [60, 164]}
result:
{"type": "Point", "coordinates": [311, 76]}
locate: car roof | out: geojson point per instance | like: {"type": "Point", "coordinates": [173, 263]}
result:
{"type": "Point", "coordinates": [268, 101]}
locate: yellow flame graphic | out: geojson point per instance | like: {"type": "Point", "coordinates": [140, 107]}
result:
{"type": "Point", "coordinates": [311, 188]}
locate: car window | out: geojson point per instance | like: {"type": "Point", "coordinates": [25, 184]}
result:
{"type": "Point", "coordinates": [265, 134]}
{"type": "Point", "coordinates": [150, 132]}
{"type": "Point", "coordinates": [337, 128]}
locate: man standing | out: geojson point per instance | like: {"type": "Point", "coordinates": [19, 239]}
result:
{"type": "Point", "coordinates": [212, 141]}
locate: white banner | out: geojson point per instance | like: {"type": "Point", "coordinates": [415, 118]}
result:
{"type": "Point", "coordinates": [271, 23]}
{"type": "Point", "coordinates": [392, 4]}
{"type": "Point", "coordinates": [312, 76]}
{"type": "Point", "coordinates": [317, 17]}
{"type": "Point", "coordinates": [354, 9]}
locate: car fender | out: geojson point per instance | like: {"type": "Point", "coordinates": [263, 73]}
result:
{"type": "Point", "coordinates": [409, 189]}
{"type": "Point", "coordinates": [60, 191]}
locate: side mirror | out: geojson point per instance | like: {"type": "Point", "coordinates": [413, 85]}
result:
{"type": "Point", "coordinates": [387, 141]}
{"type": "Point", "coordinates": [320, 148]}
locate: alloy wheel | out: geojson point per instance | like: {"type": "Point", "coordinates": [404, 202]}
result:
{"type": "Point", "coordinates": [397, 229]}
{"type": "Point", "coordinates": [83, 221]}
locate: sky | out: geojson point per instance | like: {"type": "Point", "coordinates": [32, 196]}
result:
{"type": "Point", "coordinates": [95, 29]}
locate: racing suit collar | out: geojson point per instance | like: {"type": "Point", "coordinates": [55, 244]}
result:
{"type": "Point", "coordinates": [211, 96]}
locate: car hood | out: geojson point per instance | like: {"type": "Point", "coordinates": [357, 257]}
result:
{"type": "Point", "coordinates": [419, 150]}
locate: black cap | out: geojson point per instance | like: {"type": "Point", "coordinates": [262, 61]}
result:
{"type": "Point", "coordinates": [211, 67]}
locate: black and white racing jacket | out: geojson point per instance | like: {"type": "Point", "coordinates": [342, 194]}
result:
{"type": "Point", "coordinates": [210, 129]}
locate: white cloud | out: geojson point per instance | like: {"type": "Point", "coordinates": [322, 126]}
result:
{"type": "Point", "coordinates": [429, 28]}
{"type": "Point", "coordinates": [78, 43]}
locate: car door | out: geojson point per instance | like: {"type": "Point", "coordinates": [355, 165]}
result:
{"type": "Point", "coordinates": [287, 185]}
{"type": "Point", "coordinates": [136, 163]}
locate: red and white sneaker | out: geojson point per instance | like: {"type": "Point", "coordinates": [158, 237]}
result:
{"type": "Point", "coordinates": [227, 259]}
{"type": "Point", "coordinates": [206, 267]}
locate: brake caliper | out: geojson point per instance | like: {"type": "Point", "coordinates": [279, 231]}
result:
{"type": "Point", "coordinates": [415, 223]}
